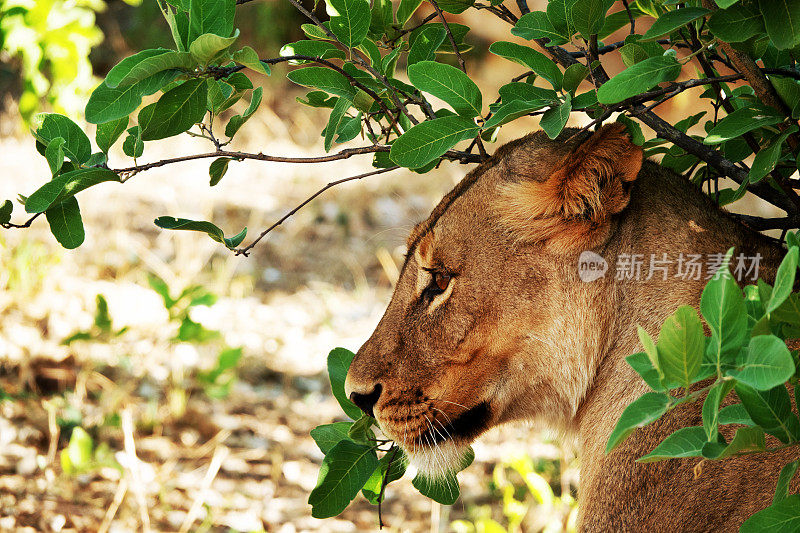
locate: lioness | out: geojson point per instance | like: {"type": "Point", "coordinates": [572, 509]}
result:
{"type": "Point", "coordinates": [491, 322]}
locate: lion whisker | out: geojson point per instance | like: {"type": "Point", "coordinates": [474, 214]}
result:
{"type": "Point", "coordinates": [448, 401]}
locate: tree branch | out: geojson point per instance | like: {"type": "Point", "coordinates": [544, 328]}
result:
{"type": "Point", "coordinates": [454, 155]}
{"type": "Point", "coordinates": [244, 251]}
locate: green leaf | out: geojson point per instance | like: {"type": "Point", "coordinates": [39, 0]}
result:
{"type": "Point", "coordinates": [784, 478]}
{"type": "Point", "coordinates": [640, 362]}
{"type": "Point", "coordinates": [589, 16]}
{"type": "Point", "coordinates": [444, 490]}
{"type": "Point", "coordinates": [360, 430]}
{"type": "Point", "coordinates": [633, 127]}
{"type": "Point", "coordinates": [325, 79]}
{"type": "Point", "coordinates": [749, 439]}
{"type": "Point", "coordinates": [399, 463]}
{"type": "Point", "coordinates": [768, 157]}
{"type": "Point", "coordinates": [633, 53]}
{"type": "Point", "coordinates": [54, 153]}
{"type": "Point", "coordinates": [133, 145]}
{"type": "Point", "coordinates": [617, 20]}
{"type": "Point", "coordinates": [427, 41]}
{"type": "Point", "coordinates": [178, 24]}
{"type": "Point", "coordinates": [645, 409]}
{"type": "Point", "coordinates": [527, 56]}
{"type": "Point", "coordinates": [345, 469]}
{"type": "Point", "coordinates": [66, 223]}
{"type": "Point", "coordinates": [672, 20]}
{"type": "Point", "coordinates": [784, 280]}
{"type": "Point", "coordinates": [329, 435]}
{"type": "Point", "coordinates": [107, 104]}
{"type": "Point", "coordinates": [767, 363]}
{"type": "Point", "coordinates": [108, 133]}
{"type": "Point", "coordinates": [405, 10]}
{"type": "Point", "coordinates": [455, 6]}
{"type": "Point", "coordinates": [782, 19]}
{"type": "Point", "coordinates": [638, 78]}
{"type": "Point", "coordinates": [725, 3]}
{"type": "Point", "coordinates": [680, 346]}
{"type": "Point", "coordinates": [211, 16]}
{"type": "Point", "coordinates": [249, 58]}
{"type": "Point", "coordinates": [559, 12]}
{"type": "Point", "coordinates": [430, 139]}
{"type": "Point", "coordinates": [128, 71]}
{"type": "Point", "coordinates": [217, 169]}
{"type": "Point", "coordinates": [177, 110]}
{"type": "Point", "coordinates": [710, 412]}
{"type": "Point", "coordinates": [722, 305]}
{"type": "Point", "coordinates": [448, 83]}
{"type": "Point", "coordinates": [734, 414]}
{"type": "Point", "coordinates": [536, 25]}
{"type": "Point", "coordinates": [237, 121]}
{"type": "Point", "coordinates": [554, 119]}
{"type": "Point", "coordinates": [686, 442]}
{"type": "Point", "coordinates": [736, 24]}
{"type": "Point", "coordinates": [121, 69]}
{"type": "Point", "coordinates": [66, 186]}
{"type": "Point", "coordinates": [738, 123]}
{"type": "Point", "coordinates": [212, 230]}
{"type": "Point", "coordinates": [529, 93]}
{"type": "Point", "coordinates": [5, 211]}
{"type": "Point", "coordinates": [513, 110]}
{"type": "Point", "coordinates": [335, 119]}
{"type": "Point", "coordinates": [350, 20]}
{"type": "Point", "coordinates": [770, 409]}
{"type": "Point", "coordinates": [339, 360]}
{"type": "Point", "coordinates": [573, 76]}
{"type": "Point", "coordinates": [649, 348]}
{"type": "Point", "coordinates": [48, 126]}
{"type": "Point", "coordinates": [208, 46]}
{"type": "Point", "coordinates": [781, 517]}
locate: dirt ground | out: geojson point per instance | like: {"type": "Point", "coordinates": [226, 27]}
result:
{"type": "Point", "coordinates": [167, 454]}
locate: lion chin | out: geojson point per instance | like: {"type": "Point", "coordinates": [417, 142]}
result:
{"type": "Point", "coordinates": [441, 460]}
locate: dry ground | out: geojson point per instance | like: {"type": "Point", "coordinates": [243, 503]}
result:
{"type": "Point", "coordinates": [187, 461]}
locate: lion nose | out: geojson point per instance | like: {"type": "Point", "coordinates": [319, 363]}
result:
{"type": "Point", "coordinates": [366, 402]}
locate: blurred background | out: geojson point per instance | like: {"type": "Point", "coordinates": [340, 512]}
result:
{"type": "Point", "coordinates": [153, 381]}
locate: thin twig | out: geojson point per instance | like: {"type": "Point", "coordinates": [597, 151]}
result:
{"type": "Point", "coordinates": [384, 482]}
{"type": "Point", "coordinates": [449, 35]}
{"type": "Point", "coordinates": [246, 249]}
{"type": "Point", "coordinates": [412, 28]}
{"type": "Point", "coordinates": [222, 72]}
{"type": "Point", "coordinates": [523, 7]}
{"type": "Point", "coordinates": [630, 16]}
{"type": "Point", "coordinates": [26, 224]}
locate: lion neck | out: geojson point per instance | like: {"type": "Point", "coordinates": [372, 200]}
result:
{"type": "Point", "coordinates": [666, 215]}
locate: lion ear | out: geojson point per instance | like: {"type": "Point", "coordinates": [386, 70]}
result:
{"type": "Point", "coordinates": [574, 204]}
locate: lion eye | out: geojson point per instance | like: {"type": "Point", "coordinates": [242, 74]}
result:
{"type": "Point", "coordinates": [441, 280]}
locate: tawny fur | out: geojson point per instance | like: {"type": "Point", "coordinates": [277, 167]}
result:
{"type": "Point", "coordinates": [518, 329]}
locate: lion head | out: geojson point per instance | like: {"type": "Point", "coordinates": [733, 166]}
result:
{"type": "Point", "coordinates": [489, 321]}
